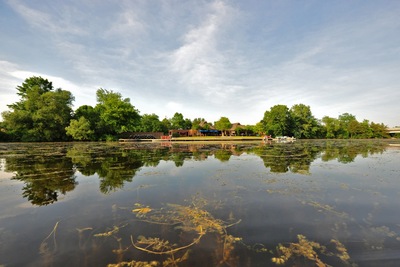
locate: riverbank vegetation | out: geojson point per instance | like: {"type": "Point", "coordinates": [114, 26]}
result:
{"type": "Point", "coordinates": [45, 114]}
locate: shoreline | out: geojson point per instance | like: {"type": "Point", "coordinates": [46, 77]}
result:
{"type": "Point", "coordinates": [195, 139]}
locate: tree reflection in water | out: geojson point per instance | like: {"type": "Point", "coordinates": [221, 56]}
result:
{"type": "Point", "coordinates": [49, 169]}
{"type": "Point", "coordinates": [45, 171]}
{"type": "Point", "coordinates": [184, 233]}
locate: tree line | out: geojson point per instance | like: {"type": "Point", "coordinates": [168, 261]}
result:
{"type": "Point", "coordinates": [45, 113]}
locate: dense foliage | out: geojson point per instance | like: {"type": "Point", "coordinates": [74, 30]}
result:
{"type": "Point", "coordinates": [299, 122]}
{"type": "Point", "coordinates": [41, 114]}
{"type": "Point", "coordinates": [223, 125]}
{"type": "Point", "coordinates": [45, 114]}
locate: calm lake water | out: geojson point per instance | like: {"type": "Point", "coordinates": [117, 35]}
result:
{"type": "Point", "coordinates": [307, 203]}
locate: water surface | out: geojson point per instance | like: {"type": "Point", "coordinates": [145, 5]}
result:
{"type": "Point", "coordinates": [305, 203]}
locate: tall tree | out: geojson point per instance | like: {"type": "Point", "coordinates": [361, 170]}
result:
{"type": "Point", "coordinates": [379, 130]}
{"type": "Point", "coordinates": [41, 114]}
{"type": "Point", "coordinates": [188, 124]}
{"type": "Point", "coordinates": [365, 131]}
{"type": "Point", "coordinates": [345, 119]}
{"type": "Point", "coordinates": [277, 121]}
{"type": "Point", "coordinates": [304, 124]}
{"type": "Point", "coordinates": [259, 128]}
{"type": "Point", "coordinates": [166, 124]}
{"type": "Point", "coordinates": [178, 122]}
{"type": "Point", "coordinates": [151, 123]}
{"type": "Point", "coordinates": [92, 116]}
{"type": "Point", "coordinates": [88, 112]}
{"type": "Point", "coordinates": [332, 127]}
{"type": "Point", "coordinates": [36, 83]}
{"type": "Point", "coordinates": [116, 114]}
{"type": "Point", "coordinates": [355, 130]}
{"type": "Point", "coordinates": [223, 125]}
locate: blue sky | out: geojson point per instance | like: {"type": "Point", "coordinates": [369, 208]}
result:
{"type": "Point", "coordinates": [210, 58]}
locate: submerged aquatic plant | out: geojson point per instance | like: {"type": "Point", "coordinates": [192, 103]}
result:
{"type": "Point", "coordinates": [304, 248]}
{"type": "Point", "coordinates": [311, 252]}
{"type": "Point", "coordinates": [190, 220]}
{"type": "Point", "coordinates": [48, 250]}
{"type": "Point", "coordinates": [184, 226]}
{"type": "Point", "coordinates": [135, 264]}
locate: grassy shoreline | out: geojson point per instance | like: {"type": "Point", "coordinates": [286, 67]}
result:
{"type": "Point", "coordinates": [198, 139]}
{"type": "Point", "coordinates": [217, 138]}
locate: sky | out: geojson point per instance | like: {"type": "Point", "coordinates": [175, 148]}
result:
{"type": "Point", "coordinates": [208, 59]}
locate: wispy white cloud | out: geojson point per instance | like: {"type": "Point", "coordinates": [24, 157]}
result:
{"type": "Point", "coordinates": [12, 76]}
{"type": "Point", "coordinates": [199, 62]}
{"type": "Point", "coordinates": [342, 67]}
{"type": "Point", "coordinates": [48, 19]}
{"type": "Point", "coordinates": [235, 58]}
{"type": "Point", "coordinates": [8, 83]}
{"type": "Point", "coordinates": [127, 23]}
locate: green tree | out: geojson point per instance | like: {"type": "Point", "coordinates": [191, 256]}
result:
{"type": "Point", "coordinates": [178, 122]}
{"type": "Point", "coordinates": [151, 123]}
{"type": "Point", "coordinates": [197, 123]}
{"type": "Point", "coordinates": [277, 121]}
{"type": "Point", "coordinates": [223, 125]}
{"type": "Point", "coordinates": [355, 130]}
{"type": "Point", "coordinates": [304, 124]}
{"type": "Point", "coordinates": [80, 129]}
{"type": "Point", "coordinates": [332, 127]}
{"type": "Point", "coordinates": [364, 130]}
{"type": "Point", "coordinates": [188, 124]}
{"type": "Point", "coordinates": [34, 83]}
{"type": "Point", "coordinates": [166, 124]}
{"type": "Point", "coordinates": [41, 114]}
{"type": "Point", "coordinates": [259, 128]}
{"type": "Point", "coordinates": [116, 114]}
{"type": "Point", "coordinates": [91, 115]}
{"type": "Point", "coordinates": [379, 130]}
{"type": "Point", "coordinates": [345, 119]}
